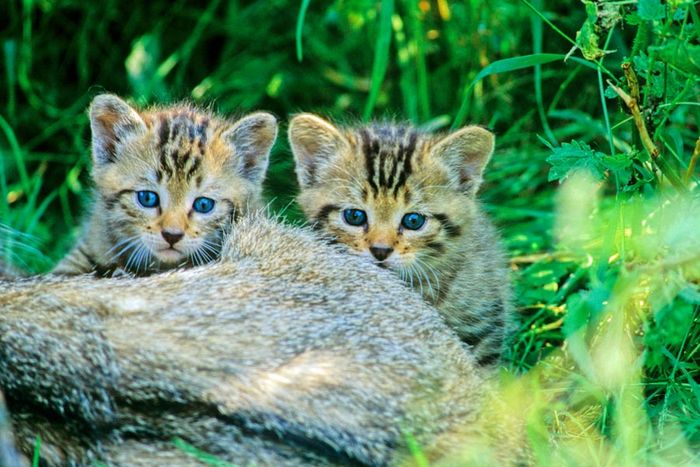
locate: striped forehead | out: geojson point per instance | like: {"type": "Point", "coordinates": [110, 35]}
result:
{"type": "Point", "coordinates": [388, 153]}
{"type": "Point", "coordinates": [182, 144]}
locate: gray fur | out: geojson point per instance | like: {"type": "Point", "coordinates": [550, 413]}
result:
{"type": "Point", "coordinates": [276, 355]}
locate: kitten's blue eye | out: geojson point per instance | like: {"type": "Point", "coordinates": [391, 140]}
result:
{"type": "Point", "coordinates": [148, 199]}
{"type": "Point", "coordinates": [355, 217]}
{"type": "Point", "coordinates": [413, 221]}
{"type": "Point", "coordinates": [203, 205]}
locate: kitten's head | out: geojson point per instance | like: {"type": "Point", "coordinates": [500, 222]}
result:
{"type": "Point", "coordinates": [389, 192]}
{"type": "Point", "coordinates": [171, 179]}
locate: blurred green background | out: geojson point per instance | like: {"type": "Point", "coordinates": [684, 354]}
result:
{"type": "Point", "coordinates": [239, 56]}
{"type": "Point", "coordinates": [537, 72]}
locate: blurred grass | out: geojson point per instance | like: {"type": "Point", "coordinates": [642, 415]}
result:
{"type": "Point", "coordinates": [440, 64]}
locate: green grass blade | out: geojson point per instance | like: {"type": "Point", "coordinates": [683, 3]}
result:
{"type": "Point", "coordinates": [503, 66]}
{"type": "Point", "coordinates": [407, 80]}
{"type": "Point", "coordinates": [418, 34]}
{"type": "Point", "coordinates": [37, 450]}
{"type": "Point", "coordinates": [549, 23]}
{"type": "Point", "coordinates": [16, 152]}
{"type": "Point", "coordinates": [300, 27]}
{"type": "Point", "coordinates": [536, 23]}
{"type": "Point", "coordinates": [10, 52]}
{"type": "Point", "coordinates": [419, 457]}
{"type": "Point", "coordinates": [204, 21]}
{"type": "Point", "coordinates": [601, 93]}
{"type": "Point", "coordinates": [381, 56]}
{"type": "Point", "coordinates": [201, 456]}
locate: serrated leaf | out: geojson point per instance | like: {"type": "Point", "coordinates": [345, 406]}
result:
{"type": "Point", "coordinates": [633, 19]}
{"type": "Point", "coordinates": [653, 73]}
{"type": "Point", "coordinates": [575, 156]}
{"type": "Point", "coordinates": [650, 9]}
{"type": "Point", "coordinates": [680, 54]}
{"type": "Point", "coordinates": [619, 164]}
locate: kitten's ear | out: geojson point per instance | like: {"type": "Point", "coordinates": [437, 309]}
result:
{"type": "Point", "coordinates": [112, 121]}
{"type": "Point", "coordinates": [251, 139]}
{"type": "Point", "coordinates": [314, 141]}
{"type": "Point", "coordinates": [466, 152]}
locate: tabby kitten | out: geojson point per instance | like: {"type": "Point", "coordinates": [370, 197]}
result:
{"type": "Point", "coordinates": [168, 182]}
{"type": "Point", "coordinates": [406, 200]}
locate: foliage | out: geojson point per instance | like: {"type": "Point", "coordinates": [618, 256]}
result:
{"type": "Point", "coordinates": [606, 267]}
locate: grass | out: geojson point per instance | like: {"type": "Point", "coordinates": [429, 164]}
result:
{"type": "Point", "coordinates": [605, 265]}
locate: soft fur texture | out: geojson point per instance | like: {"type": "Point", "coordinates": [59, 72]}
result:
{"type": "Point", "coordinates": [180, 153]}
{"type": "Point", "coordinates": [455, 259]}
{"type": "Point", "coordinates": [278, 354]}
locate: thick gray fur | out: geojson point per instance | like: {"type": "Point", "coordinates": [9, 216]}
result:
{"type": "Point", "coordinates": [285, 352]}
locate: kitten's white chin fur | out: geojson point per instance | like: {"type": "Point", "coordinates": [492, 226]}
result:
{"type": "Point", "coordinates": [169, 255]}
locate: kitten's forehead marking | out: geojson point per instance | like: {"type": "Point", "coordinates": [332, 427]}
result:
{"type": "Point", "coordinates": [182, 139]}
{"type": "Point", "coordinates": [388, 152]}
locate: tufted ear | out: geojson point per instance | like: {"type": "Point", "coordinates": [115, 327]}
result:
{"type": "Point", "coordinates": [466, 152]}
{"type": "Point", "coordinates": [314, 142]}
{"type": "Point", "coordinates": [112, 121]}
{"type": "Point", "coordinates": [251, 139]}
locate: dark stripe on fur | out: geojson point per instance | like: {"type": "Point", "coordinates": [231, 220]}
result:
{"type": "Point", "coordinates": [393, 174]}
{"type": "Point", "coordinates": [489, 358]}
{"type": "Point", "coordinates": [202, 134]}
{"type": "Point", "coordinates": [164, 133]}
{"type": "Point", "coordinates": [111, 201]}
{"type": "Point", "coordinates": [322, 214]}
{"type": "Point", "coordinates": [407, 155]}
{"type": "Point", "coordinates": [367, 151]}
{"type": "Point", "coordinates": [452, 230]}
{"type": "Point", "coordinates": [91, 261]}
{"type": "Point", "coordinates": [233, 213]}
{"type": "Point", "coordinates": [99, 269]}
{"type": "Point", "coordinates": [383, 155]}
{"type": "Point", "coordinates": [437, 246]}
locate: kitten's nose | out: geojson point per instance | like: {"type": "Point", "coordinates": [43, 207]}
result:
{"type": "Point", "coordinates": [380, 253]}
{"type": "Point", "coordinates": [172, 236]}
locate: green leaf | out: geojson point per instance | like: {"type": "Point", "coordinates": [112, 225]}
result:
{"type": "Point", "coordinates": [575, 156]}
{"type": "Point", "coordinates": [583, 308]}
{"type": "Point", "coordinates": [587, 41]}
{"type": "Point", "coordinates": [680, 54]}
{"type": "Point", "coordinates": [610, 93]}
{"type": "Point", "coordinates": [650, 9]}
{"type": "Point", "coordinates": [620, 165]}
{"type": "Point", "coordinates": [633, 19]}
{"type": "Point", "coordinates": [587, 37]}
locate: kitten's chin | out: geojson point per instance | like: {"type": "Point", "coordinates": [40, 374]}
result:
{"type": "Point", "coordinates": [169, 256]}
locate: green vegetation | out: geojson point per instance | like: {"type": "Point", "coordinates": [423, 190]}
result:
{"type": "Point", "coordinates": [598, 203]}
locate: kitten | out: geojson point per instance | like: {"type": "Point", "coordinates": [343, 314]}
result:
{"type": "Point", "coordinates": [407, 201]}
{"type": "Point", "coordinates": [168, 182]}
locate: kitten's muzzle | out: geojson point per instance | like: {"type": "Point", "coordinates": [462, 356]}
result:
{"type": "Point", "coordinates": [172, 236]}
{"type": "Point", "coordinates": [381, 253]}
